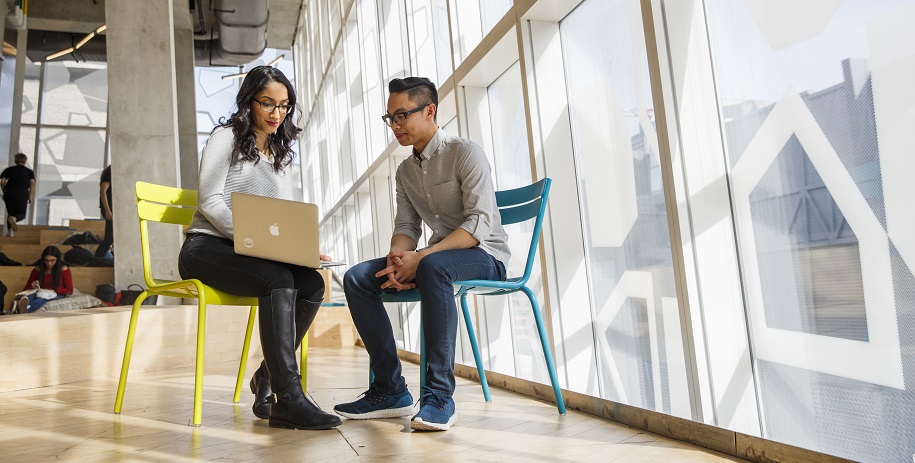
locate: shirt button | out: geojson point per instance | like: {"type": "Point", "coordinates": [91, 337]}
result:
{"type": "Point", "coordinates": [436, 216]}
{"type": "Point", "coordinates": [424, 172]}
{"type": "Point", "coordinates": [427, 194]}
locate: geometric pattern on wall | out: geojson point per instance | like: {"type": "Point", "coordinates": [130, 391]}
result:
{"type": "Point", "coordinates": [788, 22]}
{"type": "Point", "coordinates": [878, 360]}
{"type": "Point", "coordinates": [637, 285]}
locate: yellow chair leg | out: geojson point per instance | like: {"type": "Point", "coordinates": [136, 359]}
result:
{"type": "Point", "coordinates": [244, 355]}
{"type": "Point", "coordinates": [303, 364]}
{"type": "Point", "coordinates": [198, 373]}
{"type": "Point", "coordinates": [128, 350]}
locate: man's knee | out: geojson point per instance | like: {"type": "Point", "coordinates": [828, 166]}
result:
{"type": "Point", "coordinates": [432, 269]}
{"type": "Point", "coordinates": [359, 277]}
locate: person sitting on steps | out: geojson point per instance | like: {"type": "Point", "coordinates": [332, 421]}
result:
{"type": "Point", "coordinates": [50, 274]}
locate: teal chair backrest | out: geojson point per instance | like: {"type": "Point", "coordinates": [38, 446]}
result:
{"type": "Point", "coordinates": [522, 204]}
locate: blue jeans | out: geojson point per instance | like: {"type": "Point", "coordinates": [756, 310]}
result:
{"type": "Point", "coordinates": [36, 302]}
{"type": "Point", "coordinates": [434, 277]}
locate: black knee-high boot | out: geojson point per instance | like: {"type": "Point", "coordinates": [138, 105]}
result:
{"type": "Point", "coordinates": [290, 408]}
{"type": "Point", "coordinates": [305, 312]}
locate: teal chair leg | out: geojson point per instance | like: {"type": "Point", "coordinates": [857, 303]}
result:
{"type": "Point", "coordinates": [476, 349]}
{"type": "Point", "coordinates": [422, 357]}
{"type": "Point", "coordinates": [547, 354]}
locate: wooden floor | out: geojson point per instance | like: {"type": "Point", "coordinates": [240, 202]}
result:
{"type": "Point", "coordinates": [74, 422]}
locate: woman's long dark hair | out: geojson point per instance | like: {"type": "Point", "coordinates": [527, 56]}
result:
{"type": "Point", "coordinates": [55, 271]}
{"type": "Point", "coordinates": [280, 142]}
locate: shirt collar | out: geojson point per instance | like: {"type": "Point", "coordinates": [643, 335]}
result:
{"type": "Point", "coordinates": [438, 138]}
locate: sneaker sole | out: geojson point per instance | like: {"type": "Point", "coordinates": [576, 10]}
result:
{"type": "Point", "coordinates": [380, 414]}
{"type": "Point", "coordinates": [419, 425]}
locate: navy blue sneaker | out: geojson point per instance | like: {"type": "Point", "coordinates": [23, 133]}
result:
{"type": "Point", "coordinates": [436, 414]}
{"type": "Point", "coordinates": [375, 403]}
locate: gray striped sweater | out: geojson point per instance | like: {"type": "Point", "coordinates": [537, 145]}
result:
{"type": "Point", "coordinates": [217, 181]}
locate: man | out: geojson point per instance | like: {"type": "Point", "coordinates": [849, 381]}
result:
{"type": "Point", "coordinates": [447, 184]}
{"type": "Point", "coordinates": [18, 184]}
{"type": "Point", "coordinates": [104, 205]}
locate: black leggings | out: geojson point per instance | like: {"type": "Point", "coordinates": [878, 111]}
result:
{"type": "Point", "coordinates": [107, 241]}
{"type": "Point", "coordinates": [213, 261]}
{"type": "Point", "coordinates": [16, 207]}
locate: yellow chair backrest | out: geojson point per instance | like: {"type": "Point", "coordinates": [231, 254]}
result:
{"type": "Point", "coordinates": [158, 203]}
{"type": "Point", "coordinates": [165, 204]}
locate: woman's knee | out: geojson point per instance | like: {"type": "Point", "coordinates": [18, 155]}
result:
{"type": "Point", "coordinates": [280, 280]}
{"type": "Point", "coordinates": [310, 285]}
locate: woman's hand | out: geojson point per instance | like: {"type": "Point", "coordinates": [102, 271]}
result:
{"type": "Point", "coordinates": [35, 285]}
{"type": "Point", "coordinates": [325, 258]}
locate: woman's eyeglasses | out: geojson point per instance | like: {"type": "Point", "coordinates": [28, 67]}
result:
{"type": "Point", "coordinates": [269, 107]}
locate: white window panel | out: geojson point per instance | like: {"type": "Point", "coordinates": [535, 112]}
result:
{"type": "Point", "coordinates": [627, 242]}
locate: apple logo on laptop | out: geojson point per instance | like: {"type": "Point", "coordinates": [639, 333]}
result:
{"type": "Point", "coordinates": [275, 230]}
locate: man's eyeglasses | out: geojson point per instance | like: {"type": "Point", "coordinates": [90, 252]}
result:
{"type": "Point", "coordinates": [400, 118]}
{"type": "Point", "coordinates": [269, 107]}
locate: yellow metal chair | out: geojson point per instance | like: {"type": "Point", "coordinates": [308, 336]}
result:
{"type": "Point", "coordinates": [157, 203]}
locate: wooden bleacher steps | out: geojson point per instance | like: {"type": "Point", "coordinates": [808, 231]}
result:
{"type": "Point", "coordinates": [96, 226]}
{"type": "Point", "coordinates": [27, 254]}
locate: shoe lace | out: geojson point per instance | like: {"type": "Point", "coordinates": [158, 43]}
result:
{"type": "Point", "coordinates": [374, 395]}
{"type": "Point", "coordinates": [430, 398]}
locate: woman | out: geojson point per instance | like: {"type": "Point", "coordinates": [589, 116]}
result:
{"type": "Point", "coordinates": [50, 274]}
{"type": "Point", "coordinates": [249, 153]}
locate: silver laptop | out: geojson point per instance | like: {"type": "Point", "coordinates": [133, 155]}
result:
{"type": "Point", "coordinates": [277, 229]}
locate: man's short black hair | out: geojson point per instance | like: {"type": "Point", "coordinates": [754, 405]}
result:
{"type": "Point", "coordinates": [420, 90]}
{"type": "Point", "coordinates": [20, 158]}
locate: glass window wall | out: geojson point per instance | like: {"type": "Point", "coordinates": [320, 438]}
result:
{"type": "Point", "coordinates": [814, 101]}
{"type": "Point", "coordinates": [625, 223]}
{"type": "Point", "coordinates": [66, 142]}
{"type": "Point", "coordinates": [784, 153]}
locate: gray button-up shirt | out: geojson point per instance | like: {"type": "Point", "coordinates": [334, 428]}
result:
{"type": "Point", "coordinates": [449, 187]}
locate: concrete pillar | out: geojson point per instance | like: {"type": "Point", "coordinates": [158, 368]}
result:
{"type": "Point", "coordinates": [4, 133]}
{"type": "Point", "coordinates": [22, 37]}
{"type": "Point", "coordinates": [187, 104]}
{"type": "Point", "coordinates": [143, 128]}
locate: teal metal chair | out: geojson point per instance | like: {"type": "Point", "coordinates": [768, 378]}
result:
{"type": "Point", "coordinates": [515, 206]}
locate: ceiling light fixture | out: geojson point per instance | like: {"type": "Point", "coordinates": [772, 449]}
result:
{"type": "Point", "coordinates": [59, 54]}
{"type": "Point", "coordinates": [79, 44]}
{"type": "Point", "coordinates": [85, 39]}
{"type": "Point", "coordinates": [243, 74]}
{"type": "Point", "coordinates": [234, 76]}
{"type": "Point", "coordinates": [9, 49]}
